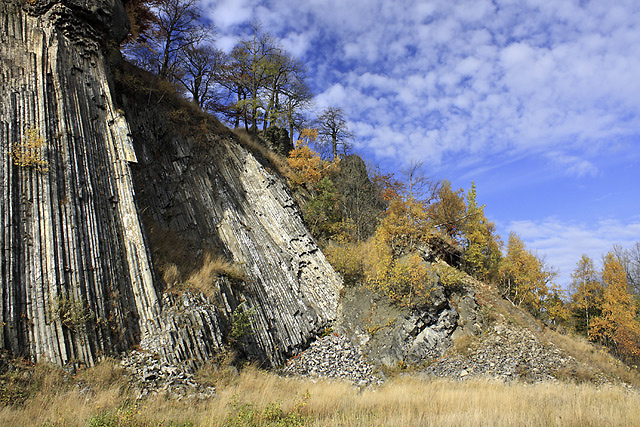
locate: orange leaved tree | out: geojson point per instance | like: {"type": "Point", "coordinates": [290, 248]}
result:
{"type": "Point", "coordinates": [617, 327]}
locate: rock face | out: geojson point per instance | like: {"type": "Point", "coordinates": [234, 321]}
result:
{"type": "Point", "coordinates": [389, 335]}
{"type": "Point", "coordinates": [76, 280]}
{"type": "Point", "coordinates": [76, 274]}
{"type": "Point", "coordinates": [214, 192]}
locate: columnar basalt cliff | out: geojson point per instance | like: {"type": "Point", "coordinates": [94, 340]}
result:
{"type": "Point", "coordinates": [76, 274]}
{"type": "Point", "coordinates": [210, 190]}
{"type": "Point", "coordinates": [76, 277]}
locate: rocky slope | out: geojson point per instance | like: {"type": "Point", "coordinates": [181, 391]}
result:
{"type": "Point", "coordinates": [215, 194]}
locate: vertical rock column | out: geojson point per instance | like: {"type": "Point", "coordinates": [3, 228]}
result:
{"type": "Point", "coordinates": [75, 277]}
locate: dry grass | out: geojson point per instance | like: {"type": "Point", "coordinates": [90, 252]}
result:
{"type": "Point", "coordinates": [402, 401]}
{"type": "Point", "coordinates": [213, 266]}
{"type": "Point", "coordinates": [183, 266]}
{"type": "Point", "coordinates": [278, 162]}
{"type": "Point", "coordinates": [595, 361]}
{"type": "Point", "coordinates": [595, 358]}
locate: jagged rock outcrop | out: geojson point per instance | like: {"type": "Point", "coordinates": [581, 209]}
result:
{"type": "Point", "coordinates": [76, 281]}
{"type": "Point", "coordinates": [391, 335]}
{"type": "Point", "coordinates": [76, 274]}
{"type": "Point", "coordinates": [211, 190]}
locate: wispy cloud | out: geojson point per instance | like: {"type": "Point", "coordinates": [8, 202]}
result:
{"type": "Point", "coordinates": [519, 94]}
{"type": "Point", "coordinates": [478, 76]}
{"type": "Point", "coordinates": [564, 242]}
{"type": "Point", "coordinates": [573, 165]}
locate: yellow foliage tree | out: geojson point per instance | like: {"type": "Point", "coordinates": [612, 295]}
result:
{"type": "Point", "coordinates": [307, 165]}
{"type": "Point", "coordinates": [405, 224]}
{"type": "Point", "coordinates": [587, 294]}
{"type": "Point", "coordinates": [394, 267]}
{"type": "Point", "coordinates": [617, 326]}
{"type": "Point", "coordinates": [524, 279]}
{"type": "Point", "coordinates": [482, 252]}
{"type": "Point", "coordinates": [406, 281]}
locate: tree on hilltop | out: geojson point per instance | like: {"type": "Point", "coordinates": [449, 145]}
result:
{"type": "Point", "coordinates": [333, 131]}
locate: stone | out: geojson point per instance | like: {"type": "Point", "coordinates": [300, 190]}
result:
{"type": "Point", "coordinates": [70, 228]}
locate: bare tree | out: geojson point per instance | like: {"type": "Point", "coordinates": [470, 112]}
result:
{"type": "Point", "coordinates": [177, 29]}
{"type": "Point", "coordinates": [197, 70]}
{"type": "Point", "coordinates": [418, 185]}
{"type": "Point", "coordinates": [333, 131]}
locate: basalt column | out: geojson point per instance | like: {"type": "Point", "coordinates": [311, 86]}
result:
{"type": "Point", "coordinates": [75, 276]}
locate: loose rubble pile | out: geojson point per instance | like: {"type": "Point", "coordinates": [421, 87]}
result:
{"type": "Point", "coordinates": [333, 356]}
{"type": "Point", "coordinates": [505, 353]}
{"type": "Point", "coordinates": [151, 376]}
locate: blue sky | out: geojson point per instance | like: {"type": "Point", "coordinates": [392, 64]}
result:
{"type": "Point", "coordinates": [536, 101]}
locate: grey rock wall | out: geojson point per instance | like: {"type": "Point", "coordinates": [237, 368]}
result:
{"type": "Point", "coordinates": [213, 191]}
{"type": "Point", "coordinates": [75, 276]}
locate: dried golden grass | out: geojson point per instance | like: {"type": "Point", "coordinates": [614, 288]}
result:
{"type": "Point", "coordinates": [596, 359]}
{"type": "Point", "coordinates": [213, 266]}
{"type": "Point", "coordinates": [402, 401]}
{"type": "Point", "coordinates": [182, 266]}
{"type": "Point", "coordinates": [260, 151]}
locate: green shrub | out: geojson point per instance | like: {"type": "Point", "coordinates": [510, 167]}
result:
{"type": "Point", "coordinates": [69, 312]}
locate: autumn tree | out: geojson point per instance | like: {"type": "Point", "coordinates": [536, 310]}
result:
{"type": "Point", "coordinates": [307, 165]}
{"type": "Point", "coordinates": [586, 295]}
{"type": "Point", "coordinates": [630, 261]}
{"type": "Point", "coordinates": [482, 246]}
{"type": "Point", "coordinates": [405, 225]}
{"type": "Point", "coordinates": [333, 132]}
{"type": "Point", "coordinates": [251, 67]}
{"type": "Point", "coordinates": [524, 279]}
{"type": "Point", "coordinates": [266, 83]}
{"type": "Point", "coordinates": [555, 309]}
{"type": "Point", "coordinates": [448, 211]}
{"type": "Point", "coordinates": [285, 87]}
{"type": "Point", "coordinates": [141, 20]}
{"type": "Point", "coordinates": [387, 185]}
{"type": "Point", "coordinates": [617, 327]}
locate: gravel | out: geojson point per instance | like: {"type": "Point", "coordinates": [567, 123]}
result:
{"type": "Point", "coordinates": [151, 376]}
{"type": "Point", "coordinates": [333, 356]}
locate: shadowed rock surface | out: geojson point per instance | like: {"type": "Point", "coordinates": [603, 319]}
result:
{"type": "Point", "coordinates": [212, 191]}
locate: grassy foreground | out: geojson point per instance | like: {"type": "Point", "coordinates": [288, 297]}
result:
{"type": "Point", "coordinates": [46, 397]}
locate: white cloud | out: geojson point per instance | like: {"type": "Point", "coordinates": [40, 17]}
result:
{"type": "Point", "coordinates": [572, 165]}
{"type": "Point", "coordinates": [563, 243]}
{"type": "Point", "coordinates": [527, 76]}
{"type": "Point", "coordinates": [226, 13]}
